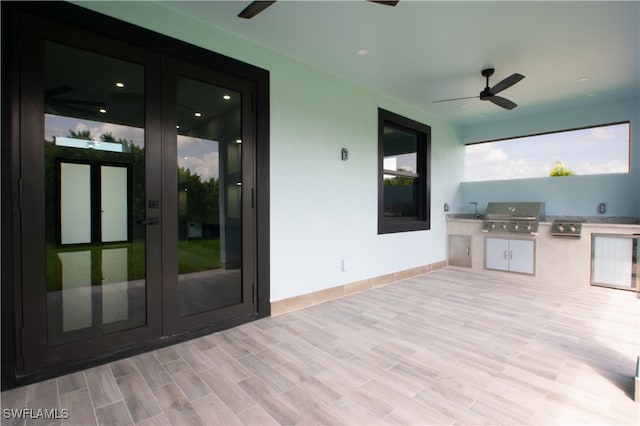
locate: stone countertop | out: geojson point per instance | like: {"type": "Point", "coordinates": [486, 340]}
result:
{"type": "Point", "coordinates": [464, 216]}
{"type": "Point", "coordinates": [601, 220]}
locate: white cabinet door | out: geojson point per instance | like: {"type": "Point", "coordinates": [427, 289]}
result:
{"type": "Point", "coordinates": [521, 256]}
{"type": "Point", "coordinates": [510, 255]}
{"type": "Point", "coordinates": [497, 254]}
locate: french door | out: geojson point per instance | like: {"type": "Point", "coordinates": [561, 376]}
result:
{"type": "Point", "coordinates": [208, 184]}
{"type": "Point", "coordinates": [137, 216]}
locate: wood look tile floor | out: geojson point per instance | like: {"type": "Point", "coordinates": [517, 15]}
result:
{"type": "Point", "coordinates": [449, 347]}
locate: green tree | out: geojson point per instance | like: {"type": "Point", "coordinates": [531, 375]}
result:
{"type": "Point", "coordinates": [202, 205]}
{"type": "Point", "coordinates": [82, 134]}
{"type": "Point", "coordinates": [399, 180]}
{"type": "Point", "coordinates": [559, 169]}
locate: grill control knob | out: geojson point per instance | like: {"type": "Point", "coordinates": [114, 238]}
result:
{"type": "Point", "coordinates": [528, 227]}
{"type": "Point", "coordinates": [572, 228]}
{"type": "Point", "coordinates": [504, 226]}
{"type": "Point", "coordinates": [493, 226]}
{"type": "Point", "coordinates": [516, 226]}
{"type": "Point", "coordinates": [561, 228]}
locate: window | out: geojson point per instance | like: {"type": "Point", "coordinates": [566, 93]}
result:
{"type": "Point", "coordinates": [588, 151]}
{"type": "Point", "coordinates": [403, 182]}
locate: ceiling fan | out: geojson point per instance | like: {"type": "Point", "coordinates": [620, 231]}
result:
{"type": "Point", "coordinates": [489, 93]}
{"type": "Point", "coordinates": [258, 6]}
{"type": "Point", "coordinates": [52, 98]}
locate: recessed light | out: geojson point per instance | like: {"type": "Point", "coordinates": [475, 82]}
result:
{"type": "Point", "coordinates": [361, 52]}
{"type": "Point", "coordinates": [583, 79]}
{"type": "Point", "coordinates": [198, 114]}
{"type": "Point", "coordinates": [238, 140]}
{"type": "Point", "coordinates": [177, 126]}
{"type": "Point", "coordinates": [119, 84]}
{"type": "Point", "coordinates": [102, 111]}
{"type": "Point", "coordinates": [226, 97]}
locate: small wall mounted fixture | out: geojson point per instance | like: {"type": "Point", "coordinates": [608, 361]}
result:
{"type": "Point", "coordinates": [345, 154]}
{"type": "Point", "coordinates": [602, 208]}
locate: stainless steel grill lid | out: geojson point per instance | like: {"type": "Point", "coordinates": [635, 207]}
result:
{"type": "Point", "coordinates": [520, 217]}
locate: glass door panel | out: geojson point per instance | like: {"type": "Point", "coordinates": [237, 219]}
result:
{"type": "Point", "coordinates": [114, 203]}
{"type": "Point", "coordinates": [75, 203]}
{"type": "Point", "coordinates": [137, 215]}
{"type": "Point", "coordinates": [95, 194]}
{"type": "Point", "coordinates": [209, 190]}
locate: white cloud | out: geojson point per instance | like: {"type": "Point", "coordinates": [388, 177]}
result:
{"type": "Point", "coordinates": [207, 166]}
{"type": "Point", "coordinates": [613, 166]}
{"type": "Point", "coordinates": [603, 133]}
{"type": "Point", "coordinates": [487, 162]}
{"type": "Point", "coordinates": [484, 153]}
{"type": "Point", "coordinates": [186, 142]}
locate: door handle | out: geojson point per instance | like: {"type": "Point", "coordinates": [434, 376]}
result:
{"type": "Point", "coordinates": [149, 221]}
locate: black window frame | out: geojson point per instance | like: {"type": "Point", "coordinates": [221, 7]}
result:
{"type": "Point", "coordinates": [422, 220]}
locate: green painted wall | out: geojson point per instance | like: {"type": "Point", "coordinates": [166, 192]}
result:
{"type": "Point", "coordinates": [323, 210]}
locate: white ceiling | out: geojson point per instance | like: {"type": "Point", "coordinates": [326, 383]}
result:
{"type": "Point", "coordinates": [423, 51]}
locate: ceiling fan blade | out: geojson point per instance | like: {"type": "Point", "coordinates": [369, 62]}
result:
{"type": "Point", "coordinates": [49, 93]}
{"type": "Point", "coordinates": [254, 8]}
{"type": "Point", "coordinates": [134, 96]}
{"type": "Point", "coordinates": [506, 83]}
{"type": "Point", "coordinates": [62, 101]}
{"type": "Point", "coordinates": [62, 109]}
{"type": "Point", "coordinates": [501, 102]}
{"type": "Point", "coordinates": [386, 3]}
{"type": "Point", "coordinates": [455, 99]}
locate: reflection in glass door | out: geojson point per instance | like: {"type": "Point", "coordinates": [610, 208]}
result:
{"type": "Point", "coordinates": [95, 192]}
{"type": "Point", "coordinates": [137, 220]}
{"type": "Point", "coordinates": [209, 194]}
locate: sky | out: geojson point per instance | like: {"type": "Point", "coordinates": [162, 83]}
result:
{"type": "Point", "coordinates": [595, 150]}
{"type": "Point", "coordinates": [58, 125]}
{"type": "Point", "coordinates": [200, 156]}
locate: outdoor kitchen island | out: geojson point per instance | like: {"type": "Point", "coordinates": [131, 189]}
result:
{"type": "Point", "coordinates": [559, 261]}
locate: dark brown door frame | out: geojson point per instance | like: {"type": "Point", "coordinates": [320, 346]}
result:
{"type": "Point", "coordinates": [34, 305]}
{"type": "Point", "coordinates": [14, 337]}
{"type": "Point", "coordinates": [172, 323]}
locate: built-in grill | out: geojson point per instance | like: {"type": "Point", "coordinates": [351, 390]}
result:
{"type": "Point", "coordinates": [563, 228]}
{"type": "Point", "coordinates": [520, 217]}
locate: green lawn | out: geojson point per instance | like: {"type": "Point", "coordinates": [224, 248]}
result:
{"type": "Point", "coordinates": [193, 256]}
{"type": "Point", "coordinates": [198, 255]}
